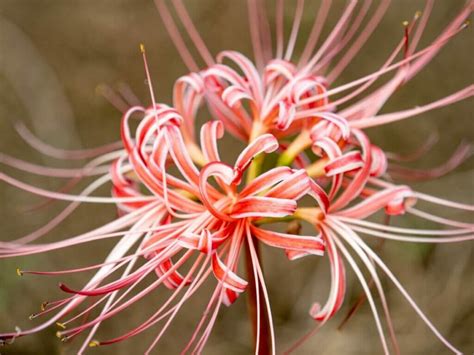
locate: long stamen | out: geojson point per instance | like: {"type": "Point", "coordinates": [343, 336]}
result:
{"type": "Point", "coordinates": [192, 32]}
{"type": "Point", "coordinates": [294, 31]}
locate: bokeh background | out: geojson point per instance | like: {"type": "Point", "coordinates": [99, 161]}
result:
{"type": "Point", "coordinates": [53, 54]}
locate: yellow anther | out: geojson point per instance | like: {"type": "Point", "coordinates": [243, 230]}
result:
{"type": "Point", "coordinates": [19, 272]}
{"type": "Point", "coordinates": [61, 325]}
{"type": "Point", "coordinates": [43, 305]}
{"type": "Point", "coordinates": [418, 14]}
{"type": "Point", "coordinates": [142, 48]}
{"type": "Point", "coordinates": [94, 343]}
{"type": "Point", "coordinates": [58, 334]}
{"type": "Point", "coordinates": [405, 23]}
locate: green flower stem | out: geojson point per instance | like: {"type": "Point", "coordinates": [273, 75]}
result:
{"type": "Point", "coordinates": [255, 168]}
{"type": "Point", "coordinates": [300, 143]}
{"type": "Point", "coordinates": [269, 220]}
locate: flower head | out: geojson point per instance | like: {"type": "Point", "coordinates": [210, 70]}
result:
{"type": "Point", "coordinates": [185, 216]}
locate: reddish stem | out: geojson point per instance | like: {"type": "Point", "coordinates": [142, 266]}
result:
{"type": "Point", "coordinates": [264, 346]}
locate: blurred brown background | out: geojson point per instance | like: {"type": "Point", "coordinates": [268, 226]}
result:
{"type": "Point", "coordinates": [53, 54]}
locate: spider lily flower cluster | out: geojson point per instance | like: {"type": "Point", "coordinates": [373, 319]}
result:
{"type": "Point", "coordinates": [185, 216]}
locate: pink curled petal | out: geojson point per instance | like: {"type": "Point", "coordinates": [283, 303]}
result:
{"type": "Point", "coordinates": [293, 187]}
{"type": "Point", "coordinates": [266, 180]}
{"type": "Point", "coordinates": [210, 133]}
{"type": "Point", "coordinates": [145, 129]}
{"type": "Point", "coordinates": [205, 242]}
{"type": "Point", "coordinates": [257, 206]}
{"type": "Point", "coordinates": [116, 174]}
{"type": "Point", "coordinates": [189, 240]}
{"type": "Point", "coordinates": [173, 278]}
{"type": "Point", "coordinates": [164, 114]}
{"type": "Point", "coordinates": [337, 120]}
{"type": "Point", "coordinates": [395, 207]}
{"type": "Point", "coordinates": [399, 204]}
{"type": "Point", "coordinates": [229, 297]}
{"type": "Point", "coordinates": [348, 162]}
{"type": "Point", "coordinates": [318, 132]}
{"type": "Point", "coordinates": [225, 173]}
{"type": "Point", "coordinates": [301, 87]}
{"type": "Point", "coordinates": [286, 115]}
{"type": "Point", "coordinates": [219, 71]}
{"type": "Point", "coordinates": [357, 184]}
{"type": "Point", "coordinates": [328, 146]}
{"type": "Point", "coordinates": [338, 282]}
{"type": "Point", "coordinates": [278, 68]}
{"type": "Point", "coordinates": [265, 143]}
{"type": "Point", "coordinates": [180, 155]}
{"type": "Point", "coordinates": [153, 122]}
{"type": "Point", "coordinates": [295, 254]}
{"type": "Point", "coordinates": [379, 161]}
{"type": "Point", "coordinates": [225, 275]}
{"type": "Point", "coordinates": [154, 119]}
{"type": "Point", "coordinates": [236, 124]}
{"type": "Point", "coordinates": [306, 86]}
{"type": "Point", "coordinates": [219, 237]}
{"type": "Point", "coordinates": [232, 96]}
{"type": "Point", "coordinates": [298, 243]}
{"type": "Point", "coordinates": [151, 182]}
{"type": "Point", "coordinates": [392, 198]}
{"type": "Point", "coordinates": [125, 129]}
{"type": "Point", "coordinates": [193, 80]}
{"type": "Point", "coordinates": [331, 149]}
{"type": "Point", "coordinates": [123, 187]}
{"type": "Point", "coordinates": [249, 70]}
{"type": "Point", "coordinates": [187, 95]}
{"type": "Point", "coordinates": [318, 193]}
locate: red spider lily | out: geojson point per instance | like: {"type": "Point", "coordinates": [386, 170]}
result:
{"type": "Point", "coordinates": [189, 215]}
{"type": "Point", "coordinates": [170, 222]}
